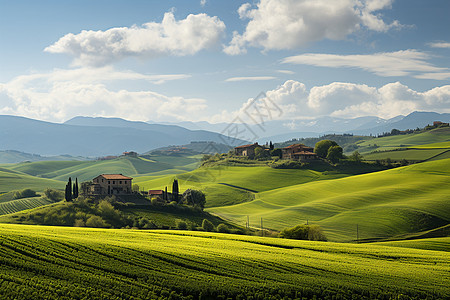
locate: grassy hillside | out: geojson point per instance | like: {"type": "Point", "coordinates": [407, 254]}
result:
{"type": "Point", "coordinates": [13, 206]}
{"type": "Point", "coordinates": [436, 244]}
{"type": "Point", "coordinates": [383, 204]}
{"type": "Point", "coordinates": [419, 154]}
{"type": "Point", "coordinates": [438, 135]}
{"type": "Point", "coordinates": [11, 180]}
{"type": "Point", "coordinates": [235, 184]}
{"type": "Point", "coordinates": [59, 263]}
{"type": "Point", "coordinates": [86, 170]}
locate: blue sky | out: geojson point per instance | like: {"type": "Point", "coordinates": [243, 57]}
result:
{"type": "Point", "coordinates": [205, 60]}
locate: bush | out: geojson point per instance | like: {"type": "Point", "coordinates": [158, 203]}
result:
{"type": "Point", "coordinates": [303, 232]}
{"type": "Point", "coordinates": [54, 195]}
{"type": "Point", "coordinates": [26, 193]}
{"type": "Point", "coordinates": [286, 164]}
{"type": "Point", "coordinates": [79, 223]}
{"type": "Point", "coordinates": [96, 222]}
{"type": "Point", "coordinates": [207, 225]}
{"type": "Point", "coordinates": [182, 225]}
{"type": "Point", "coordinates": [222, 228]}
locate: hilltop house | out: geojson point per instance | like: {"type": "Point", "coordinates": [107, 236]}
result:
{"type": "Point", "coordinates": [246, 150]}
{"type": "Point", "coordinates": [298, 152]}
{"type": "Point", "coordinates": [111, 184]}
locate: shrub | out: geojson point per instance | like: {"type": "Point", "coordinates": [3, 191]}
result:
{"type": "Point", "coordinates": [96, 222]}
{"type": "Point", "coordinates": [222, 228]}
{"type": "Point", "coordinates": [79, 223]}
{"type": "Point", "coordinates": [207, 225]}
{"type": "Point", "coordinates": [181, 225]}
{"type": "Point", "coordinates": [54, 195]}
{"type": "Point", "coordinates": [303, 232]}
{"type": "Point", "coordinates": [26, 193]}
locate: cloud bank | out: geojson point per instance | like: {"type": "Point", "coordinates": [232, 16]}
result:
{"type": "Point", "coordinates": [289, 24]}
{"type": "Point", "coordinates": [170, 37]}
{"type": "Point", "coordinates": [64, 94]}
{"type": "Point", "coordinates": [349, 100]}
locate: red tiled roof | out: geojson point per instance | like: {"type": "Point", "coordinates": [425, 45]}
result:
{"type": "Point", "coordinates": [295, 146]}
{"type": "Point", "coordinates": [155, 192]}
{"type": "Point", "coordinates": [247, 146]}
{"type": "Point", "coordinates": [115, 177]}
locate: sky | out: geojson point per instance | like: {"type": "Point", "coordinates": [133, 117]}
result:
{"type": "Point", "coordinates": [209, 60]}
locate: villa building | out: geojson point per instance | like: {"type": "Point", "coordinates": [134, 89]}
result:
{"type": "Point", "coordinates": [298, 152]}
{"type": "Point", "coordinates": [111, 184]}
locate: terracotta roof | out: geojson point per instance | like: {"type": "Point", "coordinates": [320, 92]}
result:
{"type": "Point", "coordinates": [247, 146]}
{"type": "Point", "coordinates": [115, 177]}
{"type": "Point", "coordinates": [155, 192]}
{"type": "Point", "coordinates": [295, 146]}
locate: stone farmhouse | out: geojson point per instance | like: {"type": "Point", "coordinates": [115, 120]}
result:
{"type": "Point", "coordinates": [298, 152]}
{"type": "Point", "coordinates": [246, 150]}
{"type": "Point", "coordinates": [111, 184]}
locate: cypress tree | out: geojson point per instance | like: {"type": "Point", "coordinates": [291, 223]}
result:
{"type": "Point", "coordinates": [175, 190]}
{"type": "Point", "coordinates": [69, 189]}
{"type": "Point", "coordinates": [166, 196]}
{"type": "Point", "coordinates": [75, 189]}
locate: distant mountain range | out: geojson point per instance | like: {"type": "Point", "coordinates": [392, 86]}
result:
{"type": "Point", "coordinates": [280, 131]}
{"type": "Point", "coordinates": [94, 137]}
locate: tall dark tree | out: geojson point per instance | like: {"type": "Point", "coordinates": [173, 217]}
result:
{"type": "Point", "coordinates": [75, 189]}
{"type": "Point", "coordinates": [68, 195]}
{"type": "Point", "coordinates": [271, 147]}
{"type": "Point", "coordinates": [166, 196]}
{"type": "Point", "coordinates": [175, 190]}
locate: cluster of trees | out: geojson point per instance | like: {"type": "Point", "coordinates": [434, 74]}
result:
{"type": "Point", "coordinates": [304, 232]}
{"type": "Point", "coordinates": [329, 150]}
{"type": "Point", "coordinates": [26, 193]}
{"type": "Point", "coordinates": [71, 191]}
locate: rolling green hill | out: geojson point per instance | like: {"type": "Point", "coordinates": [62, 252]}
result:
{"type": "Point", "coordinates": [13, 206]}
{"type": "Point", "coordinates": [438, 135]}
{"type": "Point", "coordinates": [12, 180]}
{"type": "Point", "coordinates": [86, 170]}
{"type": "Point", "coordinates": [436, 244]}
{"type": "Point", "coordinates": [68, 263]}
{"type": "Point", "coordinates": [383, 204]}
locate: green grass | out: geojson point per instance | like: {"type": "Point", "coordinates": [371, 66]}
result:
{"type": "Point", "coordinates": [383, 204]}
{"type": "Point", "coordinates": [11, 180]}
{"type": "Point", "coordinates": [408, 154]}
{"type": "Point", "coordinates": [66, 263]}
{"type": "Point", "coordinates": [13, 206]}
{"type": "Point", "coordinates": [439, 135]}
{"type": "Point", "coordinates": [436, 244]}
{"type": "Point", "coordinates": [87, 170]}
{"type": "Point", "coordinates": [235, 184]}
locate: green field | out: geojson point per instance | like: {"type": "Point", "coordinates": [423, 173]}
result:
{"type": "Point", "coordinates": [409, 154]}
{"type": "Point", "coordinates": [13, 180]}
{"type": "Point", "coordinates": [436, 244]}
{"type": "Point", "coordinates": [87, 170]}
{"type": "Point", "coordinates": [78, 263]}
{"type": "Point", "coordinates": [383, 204]}
{"type": "Point", "coordinates": [9, 207]}
{"type": "Point", "coordinates": [439, 135]}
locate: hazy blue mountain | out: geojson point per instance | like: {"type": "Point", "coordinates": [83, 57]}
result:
{"type": "Point", "coordinates": [95, 136]}
{"type": "Point", "coordinates": [13, 156]}
{"type": "Point", "coordinates": [411, 121]}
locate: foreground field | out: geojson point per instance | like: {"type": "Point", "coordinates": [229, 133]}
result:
{"type": "Point", "coordinates": [80, 263]}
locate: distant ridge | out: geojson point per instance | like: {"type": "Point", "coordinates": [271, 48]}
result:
{"type": "Point", "coordinates": [92, 137]}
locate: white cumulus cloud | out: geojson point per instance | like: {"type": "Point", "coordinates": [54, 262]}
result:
{"type": "Point", "coordinates": [170, 37]}
{"type": "Point", "coordinates": [289, 24]}
{"type": "Point", "coordinates": [349, 100]}
{"type": "Point", "coordinates": [439, 45]}
{"type": "Point", "coordinates": [63, 94]}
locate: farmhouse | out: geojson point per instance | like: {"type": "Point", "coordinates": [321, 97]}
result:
{"type": "Point", "coordinates": [111, 184]}
{"type": "Point", "coordinates": [246, 150]}
{"type": "Point", "coordinates": [298, 152]}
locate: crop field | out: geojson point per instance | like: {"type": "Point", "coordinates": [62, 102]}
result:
{"type": "Point", "coordinates": [436, 244]}
{"type": "Point", "coordinates": [79, 263]}
{"type": "Point", "coordinates": [383, 204]}
{"type": "Point", "coordinates": [13, 206]}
